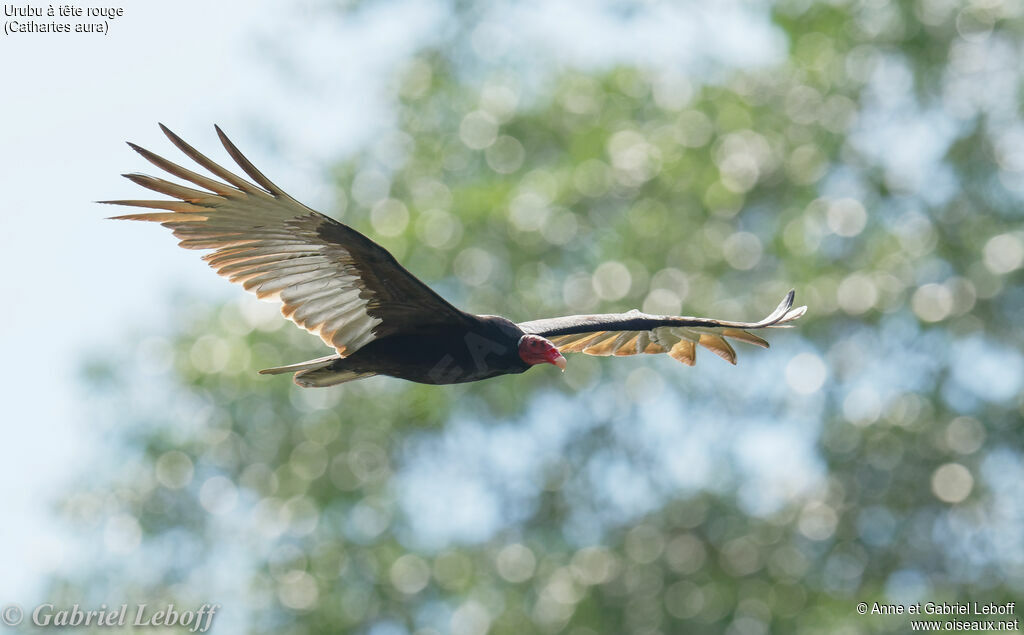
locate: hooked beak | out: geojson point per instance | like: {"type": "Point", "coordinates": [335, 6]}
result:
{"type": "Point", "coordinates": [559, 361]}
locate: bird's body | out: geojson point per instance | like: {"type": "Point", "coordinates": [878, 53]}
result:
{"type": "Point", "coordinates": [442, 355]}
{"type": "Point", "coordinates": [379, 318]}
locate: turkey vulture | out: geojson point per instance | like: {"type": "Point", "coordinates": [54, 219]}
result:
{"type": "Point", "coordinates": [379, 318]}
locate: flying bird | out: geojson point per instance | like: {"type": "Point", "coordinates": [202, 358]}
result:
{"type": "Point", "coordinates": [380, 319]}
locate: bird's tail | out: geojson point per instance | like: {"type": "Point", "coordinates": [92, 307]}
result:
{"type": "Point", "coordinates": [322, 377]}
{"type": "Point", "coordinates": [313, 364]}
{"type": "Point", "coordinates": [317, 373]}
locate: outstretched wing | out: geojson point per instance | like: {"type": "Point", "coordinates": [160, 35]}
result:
{"type": "Point", "coordinates": [333, 281]}
{"type": "Point", "coordinates": [635, 332]}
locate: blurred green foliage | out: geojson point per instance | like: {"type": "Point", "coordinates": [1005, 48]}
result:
{"type": "Point", "coordinates": [878, 170]}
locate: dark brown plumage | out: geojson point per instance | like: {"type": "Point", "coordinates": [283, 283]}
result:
{"type": "Point", "coordinates": [380, 319]}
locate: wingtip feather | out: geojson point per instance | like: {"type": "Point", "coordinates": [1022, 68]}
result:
{"type": "Point", "coordinates": [795, 313]}
{"type": "Point", "coordinates": [717, 345]}
{"type": "Point", "coordinates": [784, 312]}
{"type": "Point", "coordinates": [785, 305]}
{"type": "Point", "coordinates": [170, 134]}
{"type": "Point", "coordinates": [744, 336]}
{"type": "Point", "coordinates": [132, 217]}
{"type": "Point", "coordinates": [247, 166]}
{"type": "Point", "coordinates": [158, 217]}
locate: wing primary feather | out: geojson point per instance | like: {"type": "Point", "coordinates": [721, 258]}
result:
{"type": "Point", "coordinates": [780, 310]}
{"type": "Point", "coordinates": [643, 339]}
{"type": "Point", "coordinates": [181, 207]}
{"type": "Point", "coordinates": [210, 165]}
{"type": "Point", "coordinates": [794, 314]}
{"type": "Point", "coordinates": [183, 172]}
{"type": "Point", "coordinates": [166, 187]}
{"type": "Point", "coordinates": [166, 219]}
{"type": "Point", "coordinates": [717, 345]}
{"type": "Point", "coordinates": [603, 345]}
{"type": "Point", "coordinates": [684, 351]}
{"type": "Point", "coordinates": [743, 336]}
{"type": "Point", "coordinates": [626, 344]}
{"type": "Point", "coordinates": [249, 168]}
{"type": "Point", "coordinates": [577, 343]}
{"type": "Point", "coordinates": [653, 348]}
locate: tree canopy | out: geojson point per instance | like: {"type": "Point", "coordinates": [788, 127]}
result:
{"type": "Point", "coordinates": [873, 454]}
